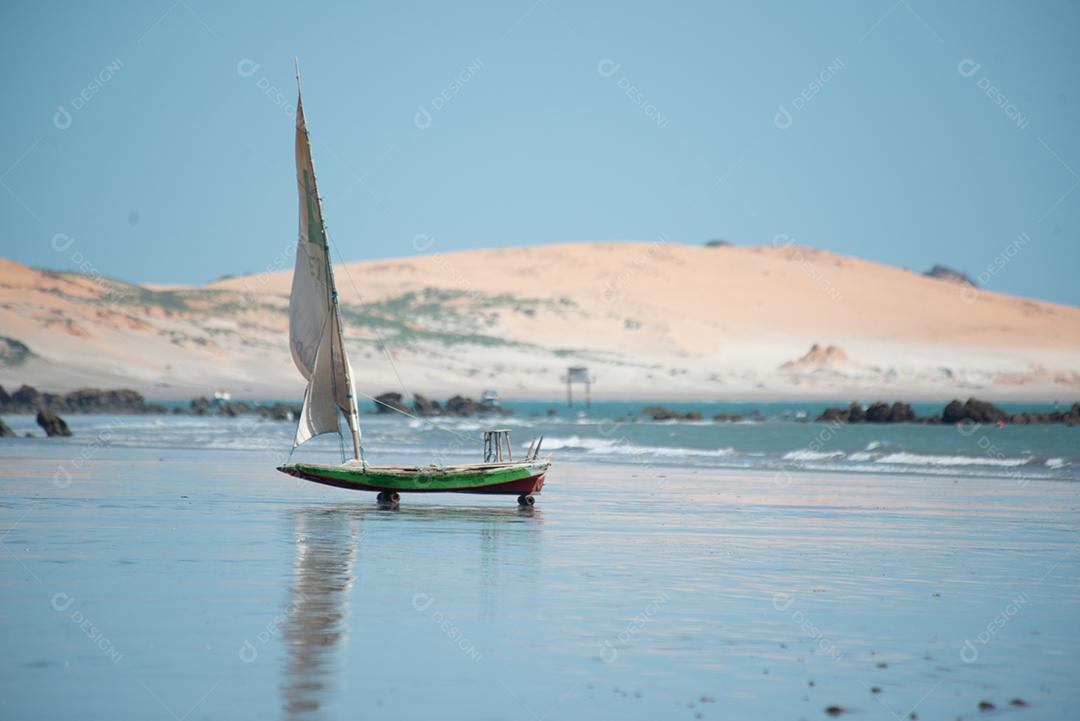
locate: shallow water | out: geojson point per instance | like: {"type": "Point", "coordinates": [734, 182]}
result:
{"type": "Point", "coordinates": [144, 581]}
{"type": "Point", "coordinates": [777, 443]}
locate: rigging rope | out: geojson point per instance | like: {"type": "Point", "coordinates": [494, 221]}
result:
{"type": "Point", "coordinates": [386, 351]}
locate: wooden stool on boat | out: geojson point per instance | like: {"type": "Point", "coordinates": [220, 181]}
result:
{"type": "Point", "coordinates": [494, 441]}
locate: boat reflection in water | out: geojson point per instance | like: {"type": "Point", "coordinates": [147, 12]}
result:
{"type": "Point", "coordinates": [316, 618]}
{"type": "Point", "coordinates": [328, 541]}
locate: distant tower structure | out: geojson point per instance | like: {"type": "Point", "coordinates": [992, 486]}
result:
{"type": "Point", "coordinates": [578, 374]}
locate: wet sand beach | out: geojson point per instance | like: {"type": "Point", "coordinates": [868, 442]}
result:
{"type": "Point", "coordinates": [186, 584]}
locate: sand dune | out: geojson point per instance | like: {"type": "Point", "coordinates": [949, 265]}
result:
{"type": "Point", "coordinates": [649, 319]}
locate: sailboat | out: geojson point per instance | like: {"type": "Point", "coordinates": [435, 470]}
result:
{"type": "Point", "coordinates": [317, 342]}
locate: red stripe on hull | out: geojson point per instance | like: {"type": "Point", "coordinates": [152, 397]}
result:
{"type": "Point", "coordinates": [522, 486]}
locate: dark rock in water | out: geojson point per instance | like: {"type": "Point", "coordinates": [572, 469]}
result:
{"type": "Point", "coordinates": [727, 417]}
{"type": "Point", "coordinates": [856, 414]}
{"type": "Point", "coordinates": [389, 402]}
{"type": "Point", "coordinates": [835, 710]}
{"type": "Point", "coordinates": [944, 272]}
{"type": "Point", "coordinates": [5, 430]}
{"type": "Point", "coordinates": [834, 415]}
{"type": "Point", "coordinates": [236, 408]}
{"type": "Point", "coordinates": [279, 411]}
{"type": "Point", "coordinates": [52, 424]}
{"type": "Point", "coordinates": [986, 706]}
{"type": "Point", "coordinates": [902, 413]}
{"type": "Point", "coordinates": [659, 413]}
{"type": "Point", "coordinates": [201, 407]}
{"type": "Point", "coordinates": [1018, 702]}
{"type": "Point", "coordinates": [27, 397]}
{"type": "Point", "coordinates": [461, 406]}
{"type": "Point", "coordinates": [953, 413]}
{"type": "Point", "coordinates": [972, 410]}
{"type": "Point", "coordinates": [84, 400]}
{"type": "Point", "coordinates": [878, 413]}
{"type": "Point", "coordinates": [94, 400]}
{"type": "Point", "coordinates": [898, 412]}
{"type": "Point", "coordinates": [424, 406]}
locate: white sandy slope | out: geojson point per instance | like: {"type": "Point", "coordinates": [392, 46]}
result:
{"type": "Point", "coordinates": [650, 320]}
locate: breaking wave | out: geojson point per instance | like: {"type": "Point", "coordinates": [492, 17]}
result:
{"type": "Point", "coordinates": [807, 455]}
{"type": "Point", "coordinates": [916, 459]}
{"type": "Point", "coordinates": [617, 447]}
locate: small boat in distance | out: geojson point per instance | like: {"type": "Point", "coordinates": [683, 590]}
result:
{"type": "Point", "coordinates": [318, 349]}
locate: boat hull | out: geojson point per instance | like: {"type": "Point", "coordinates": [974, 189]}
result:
{"type": "Point", "coordinates": [489, 478]}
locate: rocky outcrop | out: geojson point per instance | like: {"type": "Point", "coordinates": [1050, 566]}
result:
{"type": "Point", "coordinates": [203, 406]}
{"type": "Point", "coordinates": [896, 413]}
{"type": "Point", "coordinates": [852, 414]}
{"type": "Point", "coordinates": [279, 411]}
{"type": "Point", "coordinates": [1070, 417]}
{"type": "Point", "coordinates": [972, 410]}
{"type": "Point", "coordinates": [5, 430]}
{"type": "Point", "coordinates": [878, 412]}
{"type": "Point", "coordinates": [902, 413]}
{"type": "Point", "coordinates": [660, 413]}
{"type": "Point", "coordinates": [727, 417]}
{"type": "Point", "coordinates": [390, 402]}
{"type": "Point", "coordinates": [461, 406]}
{"type": "Point", "coordinates": [52, 424]}
{"type": "Point", "coordinates": [28, 399]}
{"type": "Point", "coordinates": [943, 272]}
{"type": "Point", "coordinates": [424, 406]}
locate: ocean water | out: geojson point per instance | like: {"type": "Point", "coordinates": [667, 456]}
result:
{"type": "Point", "coordinates": [159, 567]}
{"type": "Point", "coordinates": [781, 443]}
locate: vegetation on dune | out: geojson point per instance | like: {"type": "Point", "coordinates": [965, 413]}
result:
{"type": "Point", "coordinates": [445, 317]}
{"type": "Point", "coordinates": [13, 352]}
{"type": "Point", "coordinates": [429, 316]}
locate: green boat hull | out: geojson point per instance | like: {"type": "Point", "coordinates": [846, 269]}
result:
{"type": "Point", "coordinates": [489, 478]}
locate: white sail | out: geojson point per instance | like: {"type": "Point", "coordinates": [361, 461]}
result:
{"type": "Point", "coordinates": [323, 397]}
{"type": "Point", "coordinates": [315, 334]}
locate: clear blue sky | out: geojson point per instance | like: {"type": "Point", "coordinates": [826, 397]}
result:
{"type": "Point", "coordinates": [574, 121]}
